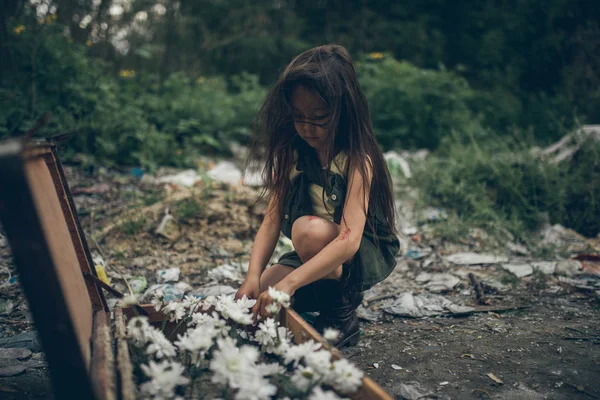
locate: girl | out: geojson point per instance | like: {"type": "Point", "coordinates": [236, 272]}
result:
{"type": "Point", "coordinates": [329, 192]}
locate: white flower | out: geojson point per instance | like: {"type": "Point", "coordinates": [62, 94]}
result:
{"type": "Point", "coordinates": [190, 303]}
{"type": "Point", "coordinates": [320, 394]}
{"type": "Point", "coordinates": [175, 310]}
{"type": "Point", "coordinates": [230, 363]}
{"type": "Point", "coordinates": [157, 300]}
{"type": "Point", "coordinates": [273, 309]}
{"type": "Point", "coordinates": [331, 334]}
{"type": "Point", "coordinates": [136, 330]}
{"type": "Point", "coordinates": [280, 346]}
{"type": "Point", "coordinates": [255, 388]}
{"type": "Point", "coordinates": [164, 377]}
{"type": "Point", "coordinates": [238, 311]}
{"type": "Point", "coordinates": [304, 377]}
{"type": "Point", "coordinates": [282, 298]}
{"type": "Point", "coordinates": [296, 352]}
{"type": "Point", "coordinates": [270, 369]}
{"type": "Point", "coordinates": [197, 342]}
{"type": "Point", "coordinates": [345, 377]}
{"type": "Point", "coordinates": [128, 301]}
{"type": "Point", "coordinates": [159, 345]}
{"type": "Point", "coordinates": [267, 332]}
{"type": "Point", "coordinates": [320, 361]}
{"type": "Point", "coordinates": [245, 302]}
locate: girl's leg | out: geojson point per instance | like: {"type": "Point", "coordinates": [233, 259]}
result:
{"type": "Point", "coordinates": [310, 235]}
{"type": "Point", "coordinates": [273, 275]}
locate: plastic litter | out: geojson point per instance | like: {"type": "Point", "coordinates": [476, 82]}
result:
{"type": "Point", "coordinates": [138, 284]}
{"type": "Point", "coordinates": [212, 290]}
{"type": "Point", "coordinates": [187, 178]}
{"type": "Point", "coordinates": [545, 267]}
{"type": "Point", "coordinates": [252, 177]}
{"type": "Point", "coordinates": [396, 367]}
{"type": "Point", "coordinates": [226, 172]}
{"type": "Point", "coordinates": [230, 272]}
{"type": "Point", "coordinates": [412, 391]}
{"type": "Point", "coordinates": [568, 267]}
{"type": "Point", "coordinates": [101, 272]}
{"type": "Point", "coordinates": [519, 270]}
{"type": "Point", "coordinates": [27, 340]}
{"type": "Point", "coordinates": [424, 305]}
{"type": "Point", "coordinates": [396, 162]}
{"type": "Point", "coordinates": [168, 275]}
{"type": "Point", "coordinates": [367, 314]}
{"type": "Point", "coordinates": [171, 292]}
{"type": "Point", "coordinates": [6, 306]}
{"type": "Point", "coordinates": [437, 283]}
{"type": "Point", "coordinates": [168, 227]}
{"type": "Point", "coordinates": [14, 353]}
{"type": "Point", "coordinates": [468, 258]}
{"type": "Point", "coordinates": [431, 214]}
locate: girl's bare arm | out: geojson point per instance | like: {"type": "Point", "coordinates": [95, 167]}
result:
{"type": "Point", "coordinates": [266, 240]}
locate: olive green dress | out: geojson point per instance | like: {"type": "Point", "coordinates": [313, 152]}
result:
{"type": "Point", "coordinates": [376, 257]}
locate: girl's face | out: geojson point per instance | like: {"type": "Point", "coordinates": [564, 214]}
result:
{"type": "Point", "coordinates": [310, 117]}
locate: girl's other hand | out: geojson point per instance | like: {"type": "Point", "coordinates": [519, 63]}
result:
{"type": "Point", "coordinates": [249, 288]}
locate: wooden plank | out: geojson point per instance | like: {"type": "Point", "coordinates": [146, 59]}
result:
{"type": "Point", "coordinates": [126, 387]}
{"type": "Point", "coordinates": [303, 331]}
{"type": "Point", "coordinates": [64, 331]}
{"type": "Point", "coordinates": [102, 368]}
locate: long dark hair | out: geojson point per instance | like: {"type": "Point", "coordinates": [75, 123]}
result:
{"type": "Point", "coordinates": [329, 72]}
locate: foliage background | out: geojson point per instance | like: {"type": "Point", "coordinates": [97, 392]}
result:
{"type": "Point", "coordinates": [158, 82]}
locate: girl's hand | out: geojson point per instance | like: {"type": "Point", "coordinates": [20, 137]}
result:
{"type": "Point", "coordinates": [249, 288]}
{"type": "Point", "coordinates": [265, 299]}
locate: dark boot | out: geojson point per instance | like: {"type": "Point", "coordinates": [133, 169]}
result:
{"type": "Point", "coordinates": [342, 317]}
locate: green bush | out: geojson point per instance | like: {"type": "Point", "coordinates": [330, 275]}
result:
{"type": "Point", "coordinates": [413, 107]}
{"type": "Point", "coordinates": [502, 185]}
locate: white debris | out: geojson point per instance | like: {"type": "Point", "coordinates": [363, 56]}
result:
{"type": "Point", "coordinates": [395, 160]}
{"type": "Point", "coordinates": [519, 270]}
{"type": "Point", "coordinates": [187, 178]}
{"type": "Point", "coordinates": [213, 290]}
{"type": "Point", "coordinates": [168, 275]}
{"type": "Point", "coordinates": [235, 273]}
{"type": "Point", "coordinates": [545, 267]}
{"type": "Point", "coordinates": [168, 227]}
{"type": "Point", "coordinates": [468, 258]}
{"type": "Point", "coordinates": [226, 172]}
{"type": "Point", "coordinates": [568, 267]}
{"type": "Point", "coordinates": [252, 177]}
{"type": "Point", "coordinates": [424, 305]}
{"type": "Point", "coordinates": [396, 367]}
{"type": "Point", "coordinates": [437, 282]}
{"type": "Point", "coordinates": [376, 365]}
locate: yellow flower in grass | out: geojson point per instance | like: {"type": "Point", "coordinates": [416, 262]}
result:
{"type": "Point", "coordinates": [376, 56]}
{"type": "Point", "coordinates": [88, 43]}
{"type": "Point", "coordinates": [19, 29]}
{"type": "Point", "coordinates": [127, 73]}
{"type": "Point", "coordinates": [200, 80]}
{"type": "Point", "coordinates": [50, 18]}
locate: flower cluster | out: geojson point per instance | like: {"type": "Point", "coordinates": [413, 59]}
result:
{"type": "Point", "coordinates": [217, 341]}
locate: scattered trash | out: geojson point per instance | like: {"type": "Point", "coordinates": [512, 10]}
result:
{"type": "Point", "coordinates": [519, 270]}
{"type": "Point", "coordinates": [443, 383]}
{"type": "Point", "coordinates": [568, 145]}
{"type": "Point", "coordinates": [171, 292]}
{"type": "Point", "coordinates": [235, 273]}
{"type": "Point", "coordinates": [414, 254]}
{"type": "Point", "coordinates": [168, 227]}
{"type": "Point", "coordinates": [517, 248]}
{"type": "Point", "coordinates": [27, 340]}
{"type": "Point", "coordinates": [495, 378]}
{"type": "Point", "coordinates": [545, 267]}
{"type": "Point", "coordinates": [437, 283]}
{"type": "Point", "coordinates": [558, 235]}
{"type": "Point", "coordinates": [183, 286]}
{"type": "Point", "coordinates": [424, 305]}
{"type": "Point", "coordinates": [398, 163]}
{"type": "Point", "coordinates": [6, 306]}
{"type": "Point", "coordinates": [376, 365]}
{"type": "Point", "coordinates": [396, 367]}
{"type": "Point", "coordinates": [475, 259]}
{"type": "Point", "coordinates": [101, 272]}
{"type": "Point", "coordinates": [168, 275]}
{"type": "Point", "coordinates": [410, 230]}
{"type": "Point", "coordinates": [12, 367]}
{"type": "Point", "coordinates": [413, 391]}
{"type": "Point", "coordinates": [226, 172]}
{"type": "Point", "coordinates": [138, 284]}
{"type": "Point", "coordinates": [187, 178]}
{"type": "Point", "coordinates": [568, 267]}
{"type": "Point", "coordinates": [367, 314]}
{"type": "Point", "coordinates": [137, 172]}
{"type": "Point", "coordinates": [431, 214]}
{"type": "Point", "coordinates": [252, 177]}
{"type": "Point", "coordinates": [14, 353]}
{"type": "Point", "coordinates": [212, 290]}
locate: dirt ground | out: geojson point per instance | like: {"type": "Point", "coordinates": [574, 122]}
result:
{"type": "Point", "coordinates": [539, 341]}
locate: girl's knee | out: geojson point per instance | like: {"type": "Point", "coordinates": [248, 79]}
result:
{"type": "Point", "coordinates": [310, 234]}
